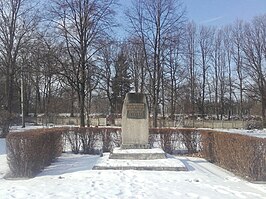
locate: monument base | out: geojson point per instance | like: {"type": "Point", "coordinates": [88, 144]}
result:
{"type": "Point", "coordinates": [167, 164]}
{"type": "Point", "coordinates": [135, 146]}
{"type": "Point", "coordinates": [137, 154]}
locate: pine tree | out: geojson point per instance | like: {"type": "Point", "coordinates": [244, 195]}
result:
{"type": "Point", "coordinates": [120, 82]}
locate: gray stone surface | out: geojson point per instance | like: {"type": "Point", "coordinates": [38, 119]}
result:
{"type": "Point", "coordinates": [138, 154]}
{"type": "Point", "coordinates": [135, 122]}
{"type": "Point", "coordinates": [151, 168]}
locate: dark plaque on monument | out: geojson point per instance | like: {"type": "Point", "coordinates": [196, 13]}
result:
{"type": "Point", "coordinates": [136, 111]}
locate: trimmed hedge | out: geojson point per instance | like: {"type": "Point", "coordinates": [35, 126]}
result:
{"type": "Point", "coordinates": [93, 140]}
{"type": "Point", "coordinates": [173, 140]}
{"type": "Point", "coordinates": [244, 155]}
{"type": "Point", "coordinates": [241, 154]}
{"type": "Point", "coordinates": [29, 152]}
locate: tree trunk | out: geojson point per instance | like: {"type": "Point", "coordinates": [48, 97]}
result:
{"type": "Point", "coordinates": [82, 108]}
{"type": "Point", "coordinates": [22, 102]}
{"type": "Point", "coordinates": [10, 94]}
{"type": "Point", "coordinates": [263, 112]}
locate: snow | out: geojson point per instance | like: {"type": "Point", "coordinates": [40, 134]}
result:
{"type": "Point", "coordinates": [253, 132]}
{"type": "Point", "coordinates": [133, 151]}
{"type": "Point", "coordinates": [20, 129]}
{"type": "Point", "coordinates": [166, 163]}
{"type": "Point", "coordinates": [31, 127]}
{"type": "Point", "coordinates": [71, 176]}
{"type": "Point", "coordinates": [2, 147]}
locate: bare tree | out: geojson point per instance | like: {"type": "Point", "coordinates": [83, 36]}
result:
{"type": "Point", "coordinates": [237, 34]}
{"type": "Point", "coordinates": [254, 59]}
{"type": "Point", "coordinates": [190, 60]}
{"type": "Point", "coordinates": [174, 74]}
{"type": "Point", "coordinates": [81, 25]}
{"type": "Point", "coordinates": [217, 63]}
{"type": "Point", "coordinates": [18, 21]}
{"type": "Point", "coordinates": [153, 22]}
{"type": "Point", "coordinates": [228, 45]}
{"type": "Point", "coordinates": [16, 24]}
{"type": "Point", "coordinates": [137, 64]}
{"type": "Point", "coordinates": [205, 49]}
{"type": "Point", "coordinates": [107, 57]}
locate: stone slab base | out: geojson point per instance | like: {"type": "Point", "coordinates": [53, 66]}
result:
{"type": "Point", "coordinates": [143, 168]}
{"type": "Point", "coordinates": [138, 154]}
{"type": "Point", "coordinates": [135, 146]}
{"type": "Point", "coordinates": [167, 164]}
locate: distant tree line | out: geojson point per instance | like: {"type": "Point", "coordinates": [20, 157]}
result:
{"type": "Point", "coordinates": [63, 56]}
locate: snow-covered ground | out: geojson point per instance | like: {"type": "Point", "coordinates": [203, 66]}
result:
{"type": "Point", "coordinates": [31, 127]}
{"type": "Point", "coordinates": [253, 132]}
{"type": "Point", "coordinates": [71, 176]}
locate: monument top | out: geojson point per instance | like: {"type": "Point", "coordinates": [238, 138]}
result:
{"type": "Point", "coordinates": [135, 97]}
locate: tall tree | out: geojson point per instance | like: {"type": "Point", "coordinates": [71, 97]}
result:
{"type": "Point", "coordinates": [121, 81]}
{"type": "Point", "coordinates": [205, 49]}
{"type": "Point", "coordinates": [17, 21]}
{"type": "Point", "coordinates": [137, 64]}
{"type": "Point", "coordinates": [254, 60]}
{"type": "Point", "coordinates": [190, 60]}
{"type": "Point", "coordinates": [217, 57]}
{"type": "Point", "coordinates": [237, 34]}
{"type": "Point", "coordinates": [107, 58]}
{"type": "Point", "coordinates": [228, 45]}
{"type": "Point", "coordinates": [153, 22]}
{"type": "Point", "coordinates": [81, 25]}
{"type": "Point", "coordinates": [174, 73]}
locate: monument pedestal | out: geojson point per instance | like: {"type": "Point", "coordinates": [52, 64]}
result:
{"type": "Point", "coordinates": [135, 146]}
{"type": "Point", "coordinates": [137, 154]}
{"type": "Point", "coordinates": [168, 163]}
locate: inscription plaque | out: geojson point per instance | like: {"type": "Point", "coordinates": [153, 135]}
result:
{"type": "Point", "coordinates": [136, 110]}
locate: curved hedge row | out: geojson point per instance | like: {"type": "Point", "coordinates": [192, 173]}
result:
{"type": "Point", "coordinates": [241, 154]}
{"type": "Point", "coordinates": [31, 151]}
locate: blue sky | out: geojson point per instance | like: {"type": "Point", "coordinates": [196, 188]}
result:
{"type": "Point", "coordinates": [214, 12]}
{"type": "Point", "coordinates": [223, 12]}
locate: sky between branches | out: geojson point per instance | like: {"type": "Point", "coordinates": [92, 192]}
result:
{"type": "Point", "coordinates": [210, 12]}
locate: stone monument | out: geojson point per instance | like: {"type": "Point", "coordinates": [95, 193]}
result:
{"type": "Point", "coordinates": [135, 152]}
{"type": "Point", "coordinates": [135, 131]}
{"type": "Point", "coordinates": [135, 122]}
